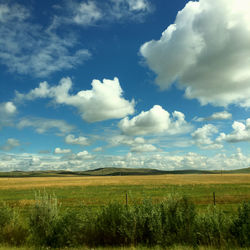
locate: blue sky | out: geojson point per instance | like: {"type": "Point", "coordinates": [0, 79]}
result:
{"type": "Point", "coordinates": [124, 83]}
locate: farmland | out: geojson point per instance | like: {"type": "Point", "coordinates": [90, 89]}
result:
{"type": "Point", "coordinates": [136, 210]}
{"type": "Point", "coordinates": [230, 189]}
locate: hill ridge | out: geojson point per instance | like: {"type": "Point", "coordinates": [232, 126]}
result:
{"type": "Point", "coordinates": [115, 172]}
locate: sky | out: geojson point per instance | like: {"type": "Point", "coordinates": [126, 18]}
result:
{"type": "Point", "coordinates": [124, 83]}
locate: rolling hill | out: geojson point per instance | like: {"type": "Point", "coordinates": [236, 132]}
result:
{"type": "Point", "coordinates": [115, 172]}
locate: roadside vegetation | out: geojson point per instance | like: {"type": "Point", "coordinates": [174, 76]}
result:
{"type": "Point", "coordinates": [173, 221]}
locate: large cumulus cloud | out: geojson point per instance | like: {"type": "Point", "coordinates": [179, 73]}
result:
{"type": "Point", "coordinates": [104, 101]}
{"type": "Point", "coordinates": [240, 133]}
{"type": "Point", "coordinates": [154, 121]}
{"type": "Point", "coordinates": [207, 51]}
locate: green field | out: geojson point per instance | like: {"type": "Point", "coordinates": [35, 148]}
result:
{"type": "Point", "coordinates": [230, 189]}
{"type": "Point", "coordinates": [176, 211]}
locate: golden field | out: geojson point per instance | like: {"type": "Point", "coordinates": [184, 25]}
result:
{"type": "Point", "coordinates": [190, 179]}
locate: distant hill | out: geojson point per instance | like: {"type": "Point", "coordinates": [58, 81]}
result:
{"type": "Point", "coordinates": [115, 172]}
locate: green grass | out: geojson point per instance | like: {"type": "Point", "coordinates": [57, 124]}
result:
{"type": "Point", "coordinates": [121, 248]}
{"type": "Point", "coordinates": [166, 223]}
{"type": "Point", "coordinates": [228, 196]}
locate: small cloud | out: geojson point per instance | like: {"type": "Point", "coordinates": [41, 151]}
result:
{"type": "Point", "coordinates": [137, 144]}
{"type": "Point", "coordinates": [84, 155]}
{"type": "Point", "coordinates": [92, 12]}
{"type": "Point", "coordinates": [215, 116]}
{"type": "Point", "coordinates": [42, 125]}
{"type": "Point", "coordinates": [71, 139]}
{"type": "Point", "coordinates": [203, 137]}
{"type": "Point", "coordinates": [129, 9]}
{"type": "Point", "coordinates": [241, 133]}
{"type": "Point", "coordinates": [62, 151]}
{"type": "Point", "coordinates": [98, 149]}
{"type": "Point", "coordinates": [86, 13]}
{"type": "Point", "coordinates": [44, 152]}
{"type": "Point", "coordinates": [10, 144]}
{"type": "Point", "coordinates": [7, 112]}
{"type": "Point", "coordinates": [143, 148]}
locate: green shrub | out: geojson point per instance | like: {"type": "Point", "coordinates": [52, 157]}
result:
{"type": "Point", "coordinates": [70, 229]}
{"type": "Point", "coordinates": [5, 214]}
{"type": "Point", "coordinates": [115, 225]}
{"type": "Point", "coordinates": [148, 223]}
{"type": "Point", "coordinates": [212, 228]}
{"type": "Point", "coordinates": [13, 230]}
{"type": "Point", "coordinates": [43, 220]}
{"type": "Point", "coordinates": [178, 221]}
{"type": "Point", "coordinates": [240, 228]}
{"type": "Point", "coordinates": [174, 221]}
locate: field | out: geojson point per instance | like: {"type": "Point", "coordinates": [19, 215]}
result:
{"type": "Point", "coordinates": [177, 211]}
{"type": "Point", "coordinates": [230, 189]}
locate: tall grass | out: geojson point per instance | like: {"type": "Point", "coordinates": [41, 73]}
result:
{"type": "Point", "coordinates": [174, 221]}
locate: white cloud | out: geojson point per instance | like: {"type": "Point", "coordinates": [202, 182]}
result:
{"type": "Point", "coordinates": [14, 12]}
{"type": "Point", "coordinates": [143, 148]}
{"type": "Point", "coordinates": [156, 160]}
{"type": "Point", "coordinates": [98, 149]}
{"type": "Point", "coordinates": [224, 115]}
{"type": "Point", "coordinates": [206, 51]}
{"type": "Point", "coordinates": [84, 155]}
{"type": "Point", "coordinates": [28, 48]}
{"type": "Point", "coordinates": [7, 108]}
{"type": "Point", "coordinates": [7, 111]}
{"type": "Point", "coordinates": [42, 125]}
{"type": "Point", "coordinates": [87, 13]}
{"type": "Point", "coordinates": [137, 144]}
{"type": "Point", "coordinates": [138, 5]}
{"type": "Point", "coordinates": [10, 144]}
{"type": "Point", "coordinates": [203, 137]}
{"type": "Point", "coordinates": [129, 9]}
{"type": "Point", "coordinates": [81, 140]}
{"type": "Point", "coordinates": [62, 151]}
{"type": "Point", "coordinates": [125, 140]}
{"type": "Point", "coordinates": [93, 13]}
{"type": "Point", "coordinates": [156, 120]}
{"type": "Point", "coordinates": [241, 133]}
{"type": "Point", "coordinates": [104, 101]}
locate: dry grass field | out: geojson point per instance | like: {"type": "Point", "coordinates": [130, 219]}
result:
{"type": "Point", "coordinates": [191, 179]}
{"type": "Point", "coordinates": [89, 205]}
{"type": "Point", "coordinates": [71, 191]}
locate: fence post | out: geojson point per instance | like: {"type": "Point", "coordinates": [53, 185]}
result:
{"type": "Point", "coordinates": [214, 198]}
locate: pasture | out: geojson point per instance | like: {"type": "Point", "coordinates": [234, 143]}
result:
{"type": "Point", "coordinates": [126, 212]}
{"type": "Point", "coordinates": [71, 191]}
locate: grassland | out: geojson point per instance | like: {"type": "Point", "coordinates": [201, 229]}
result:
{"type": "Point", "coordinates": [230, 189]}
{"type": "Point", "coordinates": [90, 211]}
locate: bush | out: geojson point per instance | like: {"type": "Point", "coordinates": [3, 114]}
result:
{"type": "Point", "coordinates": [70, 228]}
{"type": "Point", "coordinates": [212, 228]}
{"type": "Point", "coordinates": [240, 228]}
{"type": "Point", "coordinates": [16, 231]}
{"type": "Point", "coordinates": [115, 225]}
{"type": "Point", "coordinates": [43, 220]}
{"type": "Point", "coordinates": [178, 221]}
{"type": "Point", "coordinates": [174, 221]}
{"type": "Point", "coordinates": [148, 223]}
{"type": "Point", "coordinates": [12, 228]}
